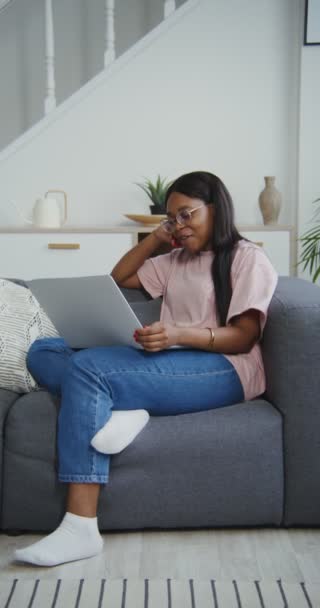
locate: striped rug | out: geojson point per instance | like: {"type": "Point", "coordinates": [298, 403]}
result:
{"type": "Point", "coordinates": [169, 593]}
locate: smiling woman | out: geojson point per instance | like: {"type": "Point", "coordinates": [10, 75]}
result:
{"type": "Point", "coordinates": [216, 288]}
{"type": "Point", "coordinates": [188, 229]}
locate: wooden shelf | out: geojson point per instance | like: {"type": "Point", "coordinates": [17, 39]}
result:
{"type": "Point", "coordinates": [126, 228]}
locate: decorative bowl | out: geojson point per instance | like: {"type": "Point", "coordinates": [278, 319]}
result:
{"type": "Point", "coordinates": [145, 219]}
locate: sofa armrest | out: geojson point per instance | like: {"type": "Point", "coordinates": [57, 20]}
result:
{"type": "Point", "coordinates": [291, 353]}
{"type": "Point", "coordinates": [7, 398]}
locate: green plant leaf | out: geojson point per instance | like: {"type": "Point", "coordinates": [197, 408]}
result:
{"type": "Point", "coordinates": [315, 230]}
{"type": "Point", "coordinates": [308, 246]}
{"type": "Point", "coordinates": [316, 274]}
{"type": "Point", "coordinates": [156, 191]}
{"type": "Point", "coordinates": [310, 250]}
{"type": "Point", "coordinates": [309, 255]}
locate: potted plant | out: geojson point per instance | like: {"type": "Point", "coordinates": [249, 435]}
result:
{"type": "Point", "coordinates": [157, 193]}
{"type": "Point", "coordinates": [310, 254]}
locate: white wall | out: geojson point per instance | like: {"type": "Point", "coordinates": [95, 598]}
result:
{"type": "Point", "coordinates": [217, 90]}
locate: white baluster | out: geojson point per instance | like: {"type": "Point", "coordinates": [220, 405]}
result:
{"type": "Point", "coordinates": [109, 55]}
{"type": "Point", "coordinates": [50, 100]}
{"type": "Point", "coordinates": [169, 7]}
{"type": "Point", "coordinates": [4, 3]}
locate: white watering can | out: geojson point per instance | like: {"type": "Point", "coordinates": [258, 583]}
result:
{"type": "Point", "coordinates": [47, 211]}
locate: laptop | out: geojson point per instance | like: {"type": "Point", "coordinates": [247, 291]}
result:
{"type": "Point", "coordinates": [87, 311]}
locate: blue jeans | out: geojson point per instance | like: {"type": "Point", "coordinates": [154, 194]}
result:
{"type": "Point", "coordinates": [94, 381]}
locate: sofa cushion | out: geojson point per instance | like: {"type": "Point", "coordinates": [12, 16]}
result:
{"type": "Point", "coordinates": [222, 467]}
{"type": "Point", "coordinates": [22, 321]}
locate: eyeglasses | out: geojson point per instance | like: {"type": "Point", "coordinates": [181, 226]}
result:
{"type": "Point", "coordinates": [182, 218]}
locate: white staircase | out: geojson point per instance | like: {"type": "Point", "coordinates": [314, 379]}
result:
{"type": "Point", "coordinates": [99, 141]}
{"type": "Point", "coordinates": [22, 113]}
{"type": "Point", "coordinates": [206, 88]}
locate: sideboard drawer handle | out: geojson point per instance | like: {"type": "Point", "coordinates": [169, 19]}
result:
{"type": "Point", "coordinates": [63, 246]}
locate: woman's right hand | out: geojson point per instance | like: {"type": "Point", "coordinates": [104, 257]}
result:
{"type": "Point", "coordinates": [163, 236]}
{"type": "Point", "coordinates": [125, 271]}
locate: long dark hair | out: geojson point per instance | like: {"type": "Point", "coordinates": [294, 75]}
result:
{"type": "Point", "coordinates": [211, 190]}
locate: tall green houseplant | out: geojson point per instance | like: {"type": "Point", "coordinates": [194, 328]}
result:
{"type": "Point", "coordinates": [310, 254]}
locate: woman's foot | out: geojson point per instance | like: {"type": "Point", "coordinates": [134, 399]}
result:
{"type": "Point", "coordinates": [120, 430]}
{"type": "Point", "coordinates": [76, 538]}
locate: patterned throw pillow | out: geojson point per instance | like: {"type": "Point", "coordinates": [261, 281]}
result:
{"type": "Point", "coordinates": [22, 321]}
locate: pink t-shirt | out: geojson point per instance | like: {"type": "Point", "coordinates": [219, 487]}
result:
{"type": "Point", "coordinates": [184, 280]}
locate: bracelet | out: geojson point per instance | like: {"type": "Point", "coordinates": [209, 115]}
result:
{"type": "Point", "coordinates": [212, 337]}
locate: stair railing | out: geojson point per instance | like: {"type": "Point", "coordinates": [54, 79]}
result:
{"type": "Point", "coordinates": [169, 6]}
{"type": "Point", "coordinates": [110, 53]}
{"type": "Point", "coordinates": [50, 99]}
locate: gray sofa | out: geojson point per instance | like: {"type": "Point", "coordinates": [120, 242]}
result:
{"type": "Point", "coordinates": [252, 464]}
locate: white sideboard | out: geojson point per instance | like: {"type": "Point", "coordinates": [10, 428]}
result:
{"type": "Point", "coordinates": [279, 245]}
{"type": "Point", "coordinates": [81, 251]}
{"type": "Point", "coordinates": [34, 255]}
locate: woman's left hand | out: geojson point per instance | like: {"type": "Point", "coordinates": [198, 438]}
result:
{"type": "Point", "coordinates": [157, 336]}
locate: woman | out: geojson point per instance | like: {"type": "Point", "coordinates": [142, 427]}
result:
{"type": "Point", "coordinates": [216, 289]}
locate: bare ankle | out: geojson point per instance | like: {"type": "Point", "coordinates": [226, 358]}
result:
{"type": "Point", "coordinates": [83, 499]}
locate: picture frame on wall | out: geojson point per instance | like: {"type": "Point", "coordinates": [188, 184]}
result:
{"type": "Point", "coordinates": [312, 22]}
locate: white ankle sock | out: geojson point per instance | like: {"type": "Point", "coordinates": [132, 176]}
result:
{"type": "Point", "coordinates": [77, 537]}
{"type": "Point", "coordinates": [120, 430]}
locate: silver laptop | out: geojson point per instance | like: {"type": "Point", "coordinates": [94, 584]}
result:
{"type": "Point", "coordinates": [87, 311]}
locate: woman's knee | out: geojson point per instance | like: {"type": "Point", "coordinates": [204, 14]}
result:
{"type": "Point", "coordinates": [41, 345]}
{"type": "Point", "coordinates": [48, 344]}
{"type": "Point", "coordinates": [43, 349]}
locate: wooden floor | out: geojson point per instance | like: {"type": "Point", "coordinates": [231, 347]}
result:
{"type": "Point", "coordinates": [224, 555]}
